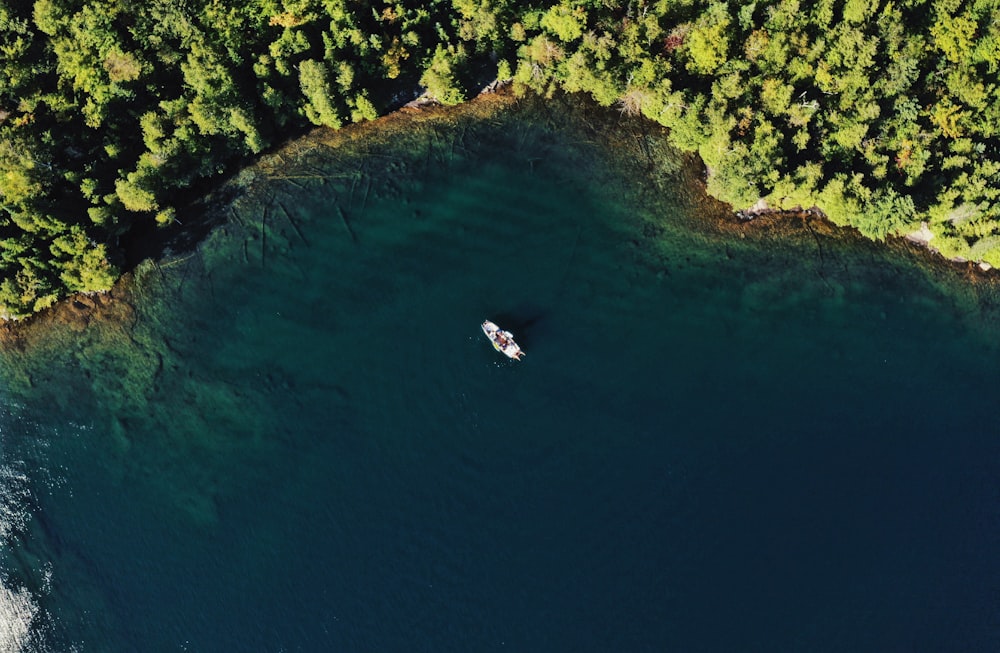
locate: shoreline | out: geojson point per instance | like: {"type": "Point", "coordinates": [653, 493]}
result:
{"type": "Point", "coordinates": [117, 305]}
{"type": "Point", "coordinates": [919, 239]}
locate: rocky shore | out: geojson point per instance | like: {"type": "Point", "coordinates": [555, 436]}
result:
{"type": "Point", "coordinates": [78, 312]}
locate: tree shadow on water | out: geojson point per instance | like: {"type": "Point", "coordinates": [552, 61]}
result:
{"type": "Point", "coordinates": [197, 218]}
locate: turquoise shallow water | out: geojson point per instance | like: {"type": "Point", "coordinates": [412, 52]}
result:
{"type": "Point", "coordinates": [301, 441]}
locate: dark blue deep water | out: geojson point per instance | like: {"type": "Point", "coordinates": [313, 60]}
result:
{"type": "Point", "coordinates": [767, 437]}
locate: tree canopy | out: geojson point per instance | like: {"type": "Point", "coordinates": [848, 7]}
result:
{"type": "Point", "coordinates": [113, 114]}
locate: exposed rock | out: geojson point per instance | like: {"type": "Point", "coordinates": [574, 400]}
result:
{"type": "Point", "coordinates": [923, 235]}
{"type": "Point", "coordinates": [495, 86]}
{"type": "Point", "coordinates": [762, 208]}
{"type": "Point", "coordinates": [421, 101]}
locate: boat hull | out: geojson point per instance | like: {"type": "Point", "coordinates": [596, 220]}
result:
{"type": "Point", "coordinates": [502, 341]}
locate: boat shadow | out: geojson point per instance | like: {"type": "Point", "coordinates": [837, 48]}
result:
{"type": "Point", "coordinates": [524, 322]}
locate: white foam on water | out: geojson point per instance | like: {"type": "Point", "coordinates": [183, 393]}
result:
{"type": "Point", "coordinates": [14, 497]}
{"type": "Point", "coordinates": [18, 614]}
{"type": "Point", "coordinates": [23, 623]}
{"type": "Point", "coordinates": [19, 611]}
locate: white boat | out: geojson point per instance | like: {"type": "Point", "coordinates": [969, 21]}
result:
{"type": "Point", "coordinates": [503, 341]}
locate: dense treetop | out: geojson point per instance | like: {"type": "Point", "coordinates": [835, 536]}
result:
{"type": "Point", "coordinates": [883, 114]}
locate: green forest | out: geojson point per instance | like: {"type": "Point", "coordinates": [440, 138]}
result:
{"type": "Point", "coordinates": [114, 115]}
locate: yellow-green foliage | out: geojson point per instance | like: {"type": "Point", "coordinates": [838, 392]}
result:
{"type": "Point", "coordinates": [708, 42]}
{"type": "Point", "coordinates": [565, 21]}
{"type": "Point", "coordinates": [318, 91]}
{"type": "Point", "coordinates": [440, 79]}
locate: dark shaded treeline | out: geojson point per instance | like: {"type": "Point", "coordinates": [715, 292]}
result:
{"type": "Point", "coordinates": [113, 115]}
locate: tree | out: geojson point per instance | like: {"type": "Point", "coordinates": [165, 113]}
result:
{"type": "Point", "coordinates": [85, 265]}
{"type": "Point", "coordinates": [565, 22]}
{"type": "Point", "coordinates": [439, 76]}
{"type": "Point", "coordinates": [314, 80]}
{"type": "Point", "coordinates": [707, 43]}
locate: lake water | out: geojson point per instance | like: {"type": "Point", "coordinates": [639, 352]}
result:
{"type": "Point", "coordinates": [764, 437]}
